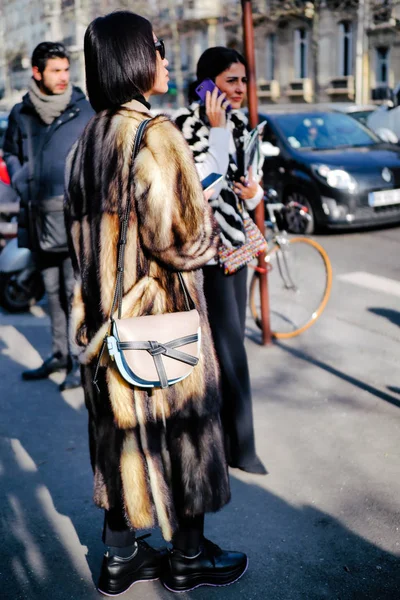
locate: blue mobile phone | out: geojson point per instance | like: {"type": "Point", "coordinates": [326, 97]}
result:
{"type": "Point", "coordinates": [211, 180]}
{"type": "Point", "coordinates": [208, 86]}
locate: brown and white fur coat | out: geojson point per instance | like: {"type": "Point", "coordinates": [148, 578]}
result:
{"type": "Point", "coordinates": [154, 472]}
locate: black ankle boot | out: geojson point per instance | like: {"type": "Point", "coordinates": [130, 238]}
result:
{"type": "Point", "coordinates": [119, 574]}
{"type": "Point", "coordinates": [211, 566]}
{"type": "Point", "coordinates": [73, 377]}
{"type": "Point", "coordinates": [55, 362]}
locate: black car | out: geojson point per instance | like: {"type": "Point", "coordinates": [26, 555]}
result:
{"type": "Point", "coordinates": [334, 165]}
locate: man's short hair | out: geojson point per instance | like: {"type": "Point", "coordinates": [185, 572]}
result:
{"type": "Point", "coordinates": [46, 50]}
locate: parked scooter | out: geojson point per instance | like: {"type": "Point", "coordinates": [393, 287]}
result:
{"type": "Point", "coordinates": [21, 283]}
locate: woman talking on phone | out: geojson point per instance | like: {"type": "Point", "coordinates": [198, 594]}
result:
{"type": "Point", "coordinates": [214, 129]}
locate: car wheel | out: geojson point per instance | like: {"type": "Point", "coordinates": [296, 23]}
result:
{"type": "Point", "coordinates": [296, 223]}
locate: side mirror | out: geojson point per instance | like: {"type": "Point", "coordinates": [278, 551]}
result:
{"type": "Point", "coordinates": [269, 150]}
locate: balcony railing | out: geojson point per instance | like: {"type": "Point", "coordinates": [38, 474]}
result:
{"type": "Point", "coordinates": [342, 86]}
{"type": "Point", "coordinates": [300, 89]}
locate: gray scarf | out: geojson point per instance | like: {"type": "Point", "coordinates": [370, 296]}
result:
{"type": "Point", "coordinates": [49, 107]}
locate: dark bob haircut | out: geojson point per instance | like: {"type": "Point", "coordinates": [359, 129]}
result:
{"type": "Point", "coordinates": [45, 51]}
{"type": "Point", "coordinates": [120, 59]}
{"type": "Point", "coordinates": [212, 63]}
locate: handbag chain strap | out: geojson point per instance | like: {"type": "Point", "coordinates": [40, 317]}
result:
{"type": "Point", "coordinates": [119, 286]}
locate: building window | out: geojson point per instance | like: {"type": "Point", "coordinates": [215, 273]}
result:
{"type": "Point", "coordinates": [382, 11]}
{"type": "Point", "coordinates": [345, 49]}
{"type": "Point", "coordinates": [382, 66]}
{"type": "Point", "coordinates": [300, 53]}
{"type": "Point", "coordinates": [270, 57]}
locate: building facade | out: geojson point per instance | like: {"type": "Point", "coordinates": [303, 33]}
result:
{"type": "Point", "coordinates": [327, 51]}
{"type": "Point", "coordinates": [321, 51]}
{"type": "Point", "coordinates": [26, 23]}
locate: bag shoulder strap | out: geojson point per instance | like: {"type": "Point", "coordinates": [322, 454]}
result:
{"type": "Point", "coordinates": [119, 286]}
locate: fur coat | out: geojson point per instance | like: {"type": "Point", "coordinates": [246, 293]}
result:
{"type": "Point", "coordinates": [155, 471]}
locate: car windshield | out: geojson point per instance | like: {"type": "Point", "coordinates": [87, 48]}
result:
{"type": "Point", "coordinates": [324, 131]}
{"type": "Point", "coordinates": [361, 115]}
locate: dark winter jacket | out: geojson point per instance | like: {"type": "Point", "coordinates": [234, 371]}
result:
{"type": "Point", "coordinates": [159, 472]}
{"type": "Point", "coordinates": [50, 146]}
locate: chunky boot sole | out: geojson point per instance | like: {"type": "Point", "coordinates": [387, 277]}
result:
{"type": "Point", "coordinates": [186, 583]}
{"type": "Point", "coordinates": [116, 587]}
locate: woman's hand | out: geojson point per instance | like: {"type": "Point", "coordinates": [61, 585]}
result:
{"type": "Point", "coordinates": [208, 193]}
{"type": "Point", "coordinates": [248, 188]}
{"type": "Point", "coordinates": [216, 108]}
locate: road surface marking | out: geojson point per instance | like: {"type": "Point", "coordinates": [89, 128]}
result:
{"type": "Point", "coordinates": [372, 282]}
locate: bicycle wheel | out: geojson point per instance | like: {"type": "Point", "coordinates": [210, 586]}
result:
{"type": "Point", "coordinates": [299, 285]}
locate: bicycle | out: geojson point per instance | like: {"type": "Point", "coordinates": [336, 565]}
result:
{"type": "Point", "coordinates": [299, 275]}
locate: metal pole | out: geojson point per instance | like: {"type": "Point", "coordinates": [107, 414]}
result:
{"type": "Point", "coordinates": [366, 74]}
{"type": "Point", "coordinates": [177, 54]}
{"type": "Point", "coordinates": [248, 33]}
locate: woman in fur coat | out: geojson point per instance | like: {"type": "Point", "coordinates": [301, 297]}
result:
{"type": "Point", "coordinates": [216, 137]}
{"type": "Point", "coordinates": [157, 454]}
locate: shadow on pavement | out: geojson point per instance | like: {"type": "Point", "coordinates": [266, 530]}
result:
{"type": "Point", "coordinates": [329, 369]}
{"type": "Point", "coordinates": [47, 519]}
{"type": "Point", "coordinates": [394, 389]}
{"type": "Point", "coordinates": [391, 315]}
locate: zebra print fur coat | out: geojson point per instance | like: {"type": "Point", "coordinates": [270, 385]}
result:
{"type": "Point", "coordinates": [228, 208]}
{"type": "Point", "coordinates": [156, 473]}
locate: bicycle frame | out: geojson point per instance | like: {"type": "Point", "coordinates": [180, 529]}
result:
{"type": "Point", "coordinates": [280, 239]}
{"type": "Point", "coordinates": [289, 270]}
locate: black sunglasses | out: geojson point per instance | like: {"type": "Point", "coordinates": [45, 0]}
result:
{"type": "Point", "coordinates": [160, 47]}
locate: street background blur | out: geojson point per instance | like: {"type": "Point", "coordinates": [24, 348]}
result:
{"type": "Point", "coordinates": [324, 523]}
{"type": "Point", "coordinates": [306, 52]}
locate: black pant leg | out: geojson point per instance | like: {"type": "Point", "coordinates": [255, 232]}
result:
{"type": "Point", "coordinates": [189, 535]}
{"type": "Point", "coordinates": [115, 529]}
{"type": "Point", "coordinates": [227, 326]}
{"type": "Point", "coordinates": [240, 285]}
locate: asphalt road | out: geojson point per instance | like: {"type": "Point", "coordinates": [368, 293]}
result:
{"type": "Point", "coordinates": [324, 524]}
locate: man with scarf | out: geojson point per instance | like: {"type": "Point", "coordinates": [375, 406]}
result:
{"type": "Point", "coordinates": [41, 130]}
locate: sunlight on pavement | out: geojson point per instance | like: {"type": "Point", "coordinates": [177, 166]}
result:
{"type": "Point", "coordinates": [65, 532]}
{"type": "Point", "coordinates": [21, 456]}
{"type": "Point", "coordinates": [18, 348]}
{"type": "Point", "coordinates": [21, 351]}
{"type": "Point", "coordinates": [37, 311]}
{"type": "Point", "coordinates": [21, 532]}
{"type": "Point", "coordinates": [74, 398]}
{"type": "Point", "coordinates": [19, 571]}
